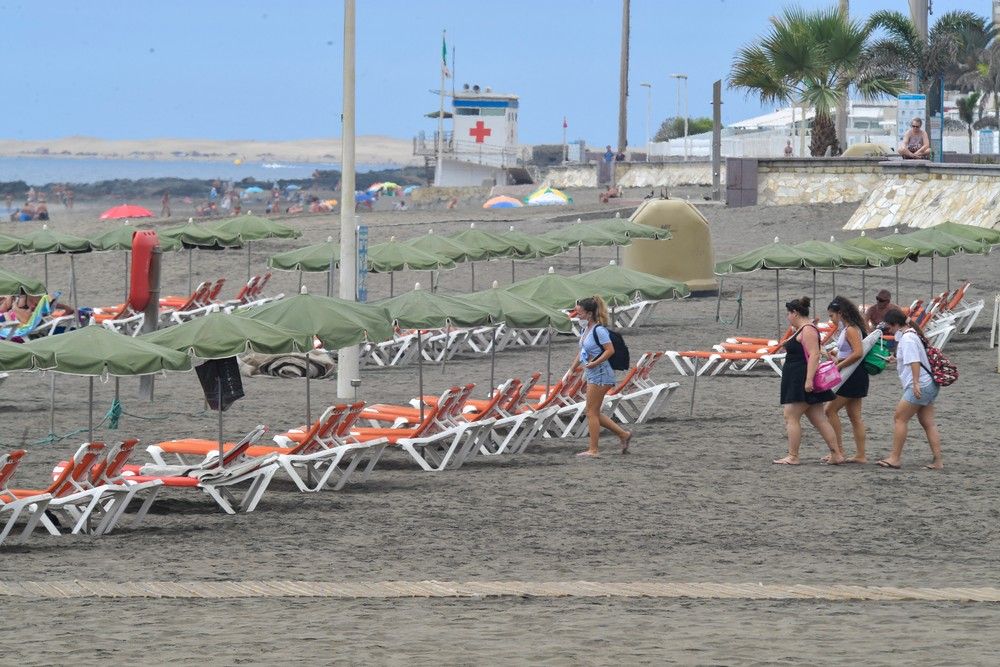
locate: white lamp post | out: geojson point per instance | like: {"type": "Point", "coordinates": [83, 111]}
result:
{"type": "Point", "coordinates": [649, 117]}
{"type": "Point", "coordinates": [684, 78]}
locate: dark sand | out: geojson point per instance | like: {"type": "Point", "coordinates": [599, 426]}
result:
{"type": "Point", "coordinates": [697, 501]}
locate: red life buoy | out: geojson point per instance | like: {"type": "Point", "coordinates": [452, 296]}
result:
{"type": "Point", "coordinates": [143, 242]}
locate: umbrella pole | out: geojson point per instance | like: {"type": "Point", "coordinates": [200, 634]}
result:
{"type": "Point", "coordinates": [190, 254]}
{"type": "Point", "coordinates": [45, 259]}
{"type": "Point", "coordinates": [834, 286]}
{"type": "Point", "coordinates": [472, 265]}
{"type": "Point", "coordinates": [72, 283]}
{"type": "Point", "coordinates": [309, 419]}
{"type": "Point", "coordinates": [420, 372]}
{"type": "Point", "coordinates": [493, 357]}
{"type": "Point", "coordinates": [718, 299]}
{"type": "Point", "coordinates": [932, 281]}
{"type": "Point", "coordinates": [300, 281]}
{"type": "Point", "coordinates": [116, 388]}
{"type": "Point", "coordinates": [579, 258]}
{"type": "Point", "coordinates": [52, 404]}
{"type": "Point", "coordinates": [814, 294]}
{"type": "Point", "coordinates": [447, 346]}
{"type": "Point", "coordinates": [694, 386]}
{"type": "Point", "coordinates": [126, 274]}
{"type": "Point", "coordinates": [90, 414]}
{"type": "Point", "coordinates": [947, 273]}
{"type": "Point", "coordinates": [618, 255]}
{"type": "Point", "coordinates": [548, 364]}
{"type": "Point", "coordinates": [512, 271]}
{"type": "Point", "coordinates": [861, 303]}
{"type": "Point", "coordinates": [777, 299]}
{"type": "Point", "coordinates": [219, 406]}
{"type": "Point", "coordinates": [897, 283]}
{"type": "Point", "coordinates": [248, 261]}
{"type": "Point", "coordinates": [392, 283]}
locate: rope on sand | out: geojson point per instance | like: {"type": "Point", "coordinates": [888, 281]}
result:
{"type": "Point", "coordinates": [488, 589]}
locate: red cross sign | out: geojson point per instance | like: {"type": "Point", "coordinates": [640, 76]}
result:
{"type": "Point", "coordinates": [480, 131]}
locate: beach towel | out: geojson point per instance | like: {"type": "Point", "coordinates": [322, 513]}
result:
{"type": "Point", "coordinates": [866, 344]}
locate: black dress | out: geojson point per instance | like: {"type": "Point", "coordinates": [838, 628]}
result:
{"type": "Point", "coordinates": [793, 376]}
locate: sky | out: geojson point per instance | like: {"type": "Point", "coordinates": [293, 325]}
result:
{"type": "Point", "coordinates": [271, 70]}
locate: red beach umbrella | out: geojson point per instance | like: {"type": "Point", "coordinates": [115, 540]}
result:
{"type": "Point", "coordinates": [126, 211]}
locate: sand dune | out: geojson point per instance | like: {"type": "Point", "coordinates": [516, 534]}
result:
{"type": "Point", "coordinates": [370, 149]}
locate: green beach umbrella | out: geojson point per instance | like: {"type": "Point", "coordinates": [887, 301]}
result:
{"type": "Point", "coordinates": [536, 247]}
{"type": "Point", "coordinates": [581, 234]}
{"type": "Point", "coordinates": [493, 246]}
{"type": "Point", "coordinates": [220, 336]}
{"type": "Point", "coordinates": [249, 228]}
{"type": "Point", "coordinates": [421, 309]}
{"type": "Point", "coordinates": [775, 256]}
{"type": "Point", "coordinates": [933, 242]}
{"type": "Point", "coordinates": [983, 234]}
{"type": "Point", "coordinates": [335, 322]}
{"type": "Point", "coordinates": [312, 258]}
{"type": "Point", "coordinates": [628, 281]}
{"type": "Point", "coordinates": [393, 256]}
{"type": "Point", "coordinates": [47, 242]}
{"type": "Point", "coordinates": [516, 311]}
{"type": "Point", "coordinates": [95, 351]}
{"type": "Point", "coordinates": [15, 283]}
{"type": "Point", "coordinates": [845, 256]}
{"type": "Point", "coordinates": [202, 237]}
{"type": "Point", "coordinates": [444, 246]}
{"type": "Point", "coordinates": [19, 357]}
{"type": "Point", "coordinates": [875, 258]}
{"type": "Point", "coordinates": [561, 292]}
{"type": "Point", "coordinates": [897, 255]}
{"type": "Point", "coordinates": [631, 230]}
{"type": "Point", "coordinates": [10, 245]}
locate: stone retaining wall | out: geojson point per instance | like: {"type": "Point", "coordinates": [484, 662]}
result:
{"type": "Point", "coordinates": [635, 174]}
{"type": "Point", "coordinates": [924, 194]}
{"type": "Point", "coordinates": [783, 181]}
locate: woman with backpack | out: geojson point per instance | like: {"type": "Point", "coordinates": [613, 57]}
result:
{"type": "Point", "coordinates": [919, 389]}
{"type": "Point", "coordinates": [798, 392]}
{"type": "Point", "coordinates": [596, 349]}
{"type": "Point", "coordinates": [851, 331]}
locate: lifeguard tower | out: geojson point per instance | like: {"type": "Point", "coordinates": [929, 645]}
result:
{"type": "Point", "coordinates": [482, 145]}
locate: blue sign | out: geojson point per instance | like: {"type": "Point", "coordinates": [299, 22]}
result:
{"type": "Point", "coordinates": [362, 280]}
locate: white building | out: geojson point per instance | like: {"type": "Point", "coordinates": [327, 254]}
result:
{"type": "Point", "coordinates": [481, 147]}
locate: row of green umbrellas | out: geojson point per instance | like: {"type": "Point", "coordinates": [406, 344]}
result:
{"type": "Point", "coordinates": [433, 252]}
{"type": "Point", "coordinates": [944, 240]}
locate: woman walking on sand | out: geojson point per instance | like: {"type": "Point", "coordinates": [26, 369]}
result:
{"type": "Point", "coordinates": [797, 394]}
{"type": "Point", "coordinates": [919, 389]}
{"type": "Point", "coordinates": [596, 349]}
{"type": "Point", "coordinates": [850, 350]}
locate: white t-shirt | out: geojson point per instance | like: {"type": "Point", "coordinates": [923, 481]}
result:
{"type": "Point", "coordinates": [909, 348]}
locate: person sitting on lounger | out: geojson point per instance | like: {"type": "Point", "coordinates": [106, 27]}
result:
{"type": "Point", "coordinates": [916, 145]}
{"type": "Point", "coordinates": [883, 304]}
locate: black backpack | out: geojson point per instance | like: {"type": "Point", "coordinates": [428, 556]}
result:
{"type": "Point", "coordinates": [619, 360]}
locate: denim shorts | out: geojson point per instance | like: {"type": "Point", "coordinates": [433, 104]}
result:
{"type": "Point", "coordinates": [602, 374]}
{"type": "Point", "coordinates": [928, 392]}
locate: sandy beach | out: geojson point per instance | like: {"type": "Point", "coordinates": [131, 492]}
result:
{"type": "Point", "coordinates": [697, 501]}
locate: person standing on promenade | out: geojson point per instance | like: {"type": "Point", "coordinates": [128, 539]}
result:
{"type": "Point", "coordinates": [596, 349]}
{"type": "Point", "coordinates": [850, 350]}
{"type": "Point", "coordinates": [165, 205]}
{"type": "Point", "coordinates": [919, 390]}
{"type": "Point", "coordinates": [797, 393]}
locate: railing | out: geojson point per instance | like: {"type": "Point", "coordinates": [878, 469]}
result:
{"type": "Point", "coordinates": [467, 151]}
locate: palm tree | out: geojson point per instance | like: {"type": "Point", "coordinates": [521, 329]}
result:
{"type": "Point", "coordinates": [813, 59]}
{"type": "Point", "coordinates": [986, 78]}
{"type": "Point", "coordinates": [967, 112]}
{"type": "Point", "coordinates": [902, 49]}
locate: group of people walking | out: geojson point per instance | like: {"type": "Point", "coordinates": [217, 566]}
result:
{"type": "Point", "coordinates": [799, 394]}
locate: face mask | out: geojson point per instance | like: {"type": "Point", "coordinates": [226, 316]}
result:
{"type": "Point", "coordinates": [898, 335]}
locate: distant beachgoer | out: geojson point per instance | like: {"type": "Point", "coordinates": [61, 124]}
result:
{"type": "Point", "coordinates": [31, 195]}
{"type": "Point", "coordinates": [596, 349]}
{"type": "Point", "coordinates": [69, 199]}
{"type": "Point", "coordinates": [42, 211]}
{"type": "Point", "coordinates": [213, 194]}
{"type": "Point", "coordinates": [847, 318]}
{"type": "Point", "coordinates": [789, 151]}
{"type": "Point", "coordinates": [165, 205]}
{"type": "Point", "coordinates": [916, 145]}
{"type": "Point", "coordinates": [609, 155]}
{"type": "Point", "coordinates": [620, 157]}
{"type": "Point", "coordinates": [611, 193]}
{"type": "Point", "coordinates": [453, 202]}
{"type": "Point", "coordinates": [798, 396]}
{"type": "Point", "coordinates": [919, 389]}
{"type": "Point", "coordinates": [883, 304]}
{"type": "Point", "coordinates": [8, 201]}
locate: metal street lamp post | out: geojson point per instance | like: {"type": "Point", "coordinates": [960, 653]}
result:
{"type": "Point", "coordinates": [649, 117]}
{"type": "Point", "coordinates": [684, 78]}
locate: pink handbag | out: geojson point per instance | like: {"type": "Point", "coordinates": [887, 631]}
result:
{"type": "Point", "coordinates": [827, 376]}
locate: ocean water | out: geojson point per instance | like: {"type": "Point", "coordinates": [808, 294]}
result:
{"type": "Point", "coordinates": [43, 170]}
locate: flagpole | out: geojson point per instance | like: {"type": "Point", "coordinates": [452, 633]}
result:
{"type": "Point", "coordinates": [440, 132]}
{"type": "Point", "coordinates": [565, 147]}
